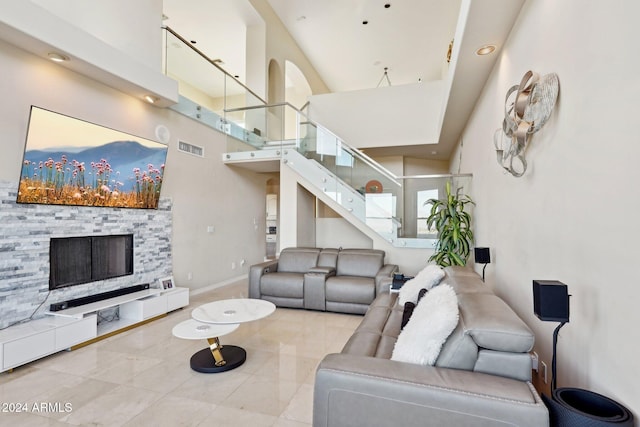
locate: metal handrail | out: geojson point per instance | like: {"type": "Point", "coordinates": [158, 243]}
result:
{"type": "Point", "coordinates": [444, 175]}
{"type": "Point", "coordinates": [212, 62]}
{"type": "Point", "coordinates": [366, 159]}
{"type": "Point", "coordinates": [255, 107]}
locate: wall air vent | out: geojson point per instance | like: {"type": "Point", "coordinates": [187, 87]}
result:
{"type": "Point", "coordinates": [185, 147]}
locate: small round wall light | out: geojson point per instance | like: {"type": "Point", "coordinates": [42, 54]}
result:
{"type": "Point", "coordinates": [57, 57]}
{"type": "Point", "coordinates": [486, 49]}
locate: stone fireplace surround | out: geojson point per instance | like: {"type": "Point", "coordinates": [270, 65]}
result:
{"type": "Point", "coordinates": [25, 231]}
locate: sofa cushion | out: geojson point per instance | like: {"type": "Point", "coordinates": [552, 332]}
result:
{"type": "Point", "coordinates": [493, 325]}
{"type": "Point", "coordinates": [432, 321]}
{"type": "Point", "coordinates": [328, 258]}
{"type": "Point", "coordinates": [285, 285]}
{"type": "Point", "coordinates": [297, 260]}
{"type": "Point", "coordinates": [350, 289]}
{"type": "Point", "coordinates": [430, 276]}
{"type": "Point", "coordinates": [459, 351]}
{"type": "Point", "coordinates": [465, 281]}
{"type": "Point", "coordinates": [359, 262]}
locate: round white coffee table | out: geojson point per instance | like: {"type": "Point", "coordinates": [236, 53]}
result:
{"type": "Point", "coordinates": [237, 310]}
{"type": "Point", "coordinates": [219, 315]}
{"type": "Point", "coordinates": [193, 330]}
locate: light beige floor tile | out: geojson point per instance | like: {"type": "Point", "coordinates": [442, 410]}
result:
{"type": "Point", "coordinates": [211, 388]}
{"type": "Point", "coordinates": [255, 361]}
{"type": "Point", "coordinates": [143, 377]}
{"type": "Point", "coordinates": [113, 408]}
{"type": "Point", "coordinates": [259, 394]}
{"type": "Point", "coordinates": [84, 361]}
{"type": "Point", "coordinates": [27, 387]}
{"type": "Point", "coordinates": [173, 412]}
{"type": "Point", "coordinates": [75, 395]}
{"type": "Point", "coordinates": [29, 419]}
{"type": "Point", "coordinates": [232, 417]}
{"type": "Point", "coordinates": [285, 367]}
{"type": "Point", "coordinates": [283, 422]}
{"type": "Point", "coordinates": [163, 378]}
{"type": "Point", "coordinates": [124, 367]}
{"type": "Point", "coordinates": [301, 405]}
{"type": "Point", "coordinates": [304, 346]}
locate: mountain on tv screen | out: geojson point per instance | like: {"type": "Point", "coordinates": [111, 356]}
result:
{"type": "Point", "coordinates": [68, 161]}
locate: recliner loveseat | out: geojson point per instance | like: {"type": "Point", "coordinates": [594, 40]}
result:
{"type": "Point", "coordinates": [340, 280]}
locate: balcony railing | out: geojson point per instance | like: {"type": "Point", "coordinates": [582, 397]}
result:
{"type": "Point", "coordinates": [394, 206]}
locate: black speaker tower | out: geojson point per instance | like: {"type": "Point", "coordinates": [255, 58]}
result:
{"type": "Point", "coordinates": [551, 300]}
{"type": "Point", "coordinates": [551, 303]}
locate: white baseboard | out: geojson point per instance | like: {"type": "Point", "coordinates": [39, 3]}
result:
{"type": "Point", "coordinates": [218, 285]}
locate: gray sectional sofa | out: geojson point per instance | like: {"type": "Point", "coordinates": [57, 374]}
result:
{"type": "Point", "coordinates": [345, 280]}
{"type": "Point", "coordinates": [480, 378]}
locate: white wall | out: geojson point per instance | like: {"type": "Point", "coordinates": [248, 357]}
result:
{"type": "Point", "coordinates": [380, 117]}
{"type": "Point", "coordinates": [281, 47]}
{"type": "Point", "coordinates": [572, 217]}
{"type": "Point", "coordinates": [204, 191]}
{"type": "Point", "coordinates": [137, 32]}
{"type": "Point", "coordinates": [338, 232]}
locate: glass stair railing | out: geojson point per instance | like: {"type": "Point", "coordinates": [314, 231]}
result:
{"type": "Point", "coordinates": [393, 207]}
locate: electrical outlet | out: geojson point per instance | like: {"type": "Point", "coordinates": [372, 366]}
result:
{"type": "Point", "coordinates": [189, 276]}
{"type": "Point", "coordinates": [534, 361]}
{"type": "Point", "coordinates": [544, 372]}
{"type": "Point", "coordinates": [233, 265]}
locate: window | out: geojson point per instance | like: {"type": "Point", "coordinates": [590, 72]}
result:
{"type": "Point", "coordinates": [423, 211]}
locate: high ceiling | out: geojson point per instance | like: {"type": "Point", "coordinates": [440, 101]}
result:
{"type": "Point", "coordinates": [410, 37]}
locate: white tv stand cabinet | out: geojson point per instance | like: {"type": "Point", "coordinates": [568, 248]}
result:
{"type": "Point", "coordinates": [63, 329]}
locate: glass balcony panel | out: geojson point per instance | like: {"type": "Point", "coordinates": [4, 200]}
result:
{"type": "Point", "coordinates": [198, 79]}
{"type": "Point", "coordinates": [395, 207]}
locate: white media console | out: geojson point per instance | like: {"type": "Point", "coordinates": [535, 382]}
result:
{"type": "Point", "coordinates": [61, 330]}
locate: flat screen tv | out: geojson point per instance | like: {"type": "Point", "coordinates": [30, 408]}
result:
{"type": "Point", "coordinates": [68, 161]}
{"type": "Point", "coordinates": [78, 260]}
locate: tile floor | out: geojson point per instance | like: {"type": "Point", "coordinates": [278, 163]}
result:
{"type": "Point", "coordinates": [142, 377]}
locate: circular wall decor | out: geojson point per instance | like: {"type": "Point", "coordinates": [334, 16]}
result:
{"type": "Point", "coordinates": [527, 107]}
{"type": "Point", "coordinates": [163, 134]}
{"type": "Point", "coordinates": [373, 186]}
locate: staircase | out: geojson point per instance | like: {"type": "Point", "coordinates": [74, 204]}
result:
{"type": "Point", "coordinates": [267, 138]}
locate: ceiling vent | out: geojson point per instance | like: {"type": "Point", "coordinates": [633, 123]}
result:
{"type": "Point", "coordinates": [185, 147]}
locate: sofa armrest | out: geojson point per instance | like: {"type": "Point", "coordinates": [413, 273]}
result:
{"type": "Point", "coordinates": [365, 391]}
{"type": "Point", "coordinates": [256, 272]}
{"type": "Point", "coordinates": [314, 294]}
{"type": "Point", "coordinates": [323, 270]}
{"type": "Point", "coordinates": [384, 273]}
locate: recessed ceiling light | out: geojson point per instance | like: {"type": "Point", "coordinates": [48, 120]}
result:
{"type": "Point", "coordinates": [151, 99]}
{"type": "Point", "coordinates": [486, 49]}
{"type": "Point", "coordinates": [434, 153]}
{"type": "Point", "coordinates": [57, 57]}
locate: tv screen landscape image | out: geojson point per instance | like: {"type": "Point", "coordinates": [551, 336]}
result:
{"type": "Point", "coordinates": [68, 161]}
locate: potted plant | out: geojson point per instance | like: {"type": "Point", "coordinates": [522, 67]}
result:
{"type": "Point", "coordinates": [453, 224]}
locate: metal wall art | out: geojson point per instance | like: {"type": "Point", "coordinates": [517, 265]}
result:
{"type": "Point", "coordinates": [527, 108]}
